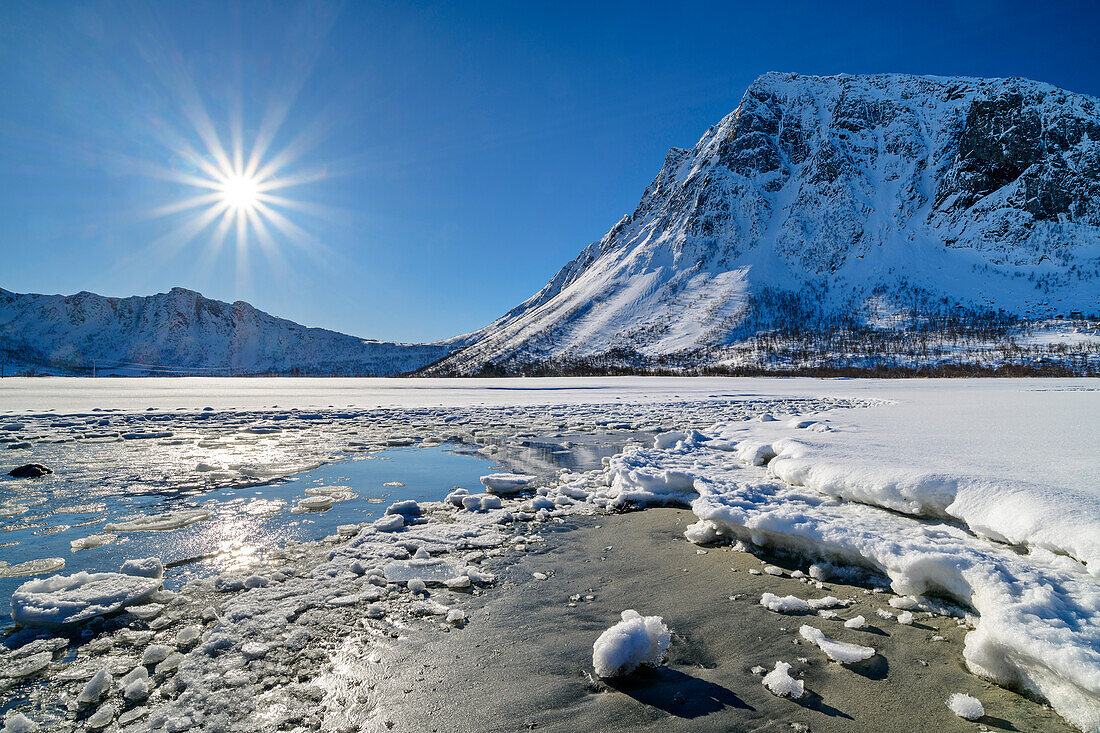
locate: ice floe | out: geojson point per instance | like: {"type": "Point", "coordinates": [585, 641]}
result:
{"type": "Point", "coordinates": [67, 600]}
{"type": "Point", "coordinates": [162, 522]}
{"type": "Point", "coordinates": [506, 483]}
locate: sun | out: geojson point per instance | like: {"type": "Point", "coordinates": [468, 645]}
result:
{"type": "Point", "coordinates": [240, 192]}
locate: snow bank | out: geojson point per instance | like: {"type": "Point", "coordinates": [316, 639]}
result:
{"type": "Point", "coordinates": [65, 600]}
{"type": "Point", "coordinates": [779, 682]}
{"type": "Point", "coordinates": [634, 641]}
{"type": "Point", "coordinates": [871, 494]}
{"type": "Point", "coordinates": [1015, 475]}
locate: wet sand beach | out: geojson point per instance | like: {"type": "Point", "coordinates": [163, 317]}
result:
{"type": "Point", "coordinates": [523, 660]}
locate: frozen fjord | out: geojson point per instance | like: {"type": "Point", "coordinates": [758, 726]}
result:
{"type": "Point", "coordinates": [304, 589]}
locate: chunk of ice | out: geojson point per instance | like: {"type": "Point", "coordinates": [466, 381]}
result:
{"type": "Point", "coordinates": [65, 600]}
{"type": "Point", "coordinates": [506, 483]}
{"type": "Point", "coordinates": [313, 504]}
{"type": "Point", "coordinates": [41, 566]}
{"type": "Point", "coordinates": [838, 651]}
{"type": "Point", "coordinates": [965, 706]}
{"type": "Point", "coordinates": [634, 641]}
{"type": "Point", "coordinates": [146, 567]}
{"type": "Point", "coordinates": [785, 604]}
{"type": "Point", "coordinates": [159, 522]}
{"type": "Point", "coordinates": [19, 723]}
{"type": "Point", "coordinates": [96, 686]}
{"type": "Point", "coordinates": [389, 523]}
{"type": "Point", "coordinates": [407, 508]}
{"type": "Point", "coordinates": [779, 682]}
{"type": "Point", "coordinates": [92, 541]}
{"type": "Point", "coordinates": [430, 571]}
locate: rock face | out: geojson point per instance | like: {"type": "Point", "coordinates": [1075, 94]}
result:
{"type": "Point", "coordinates": [824, 205]}
{"type": "Point", "coordinates": [181, 332]}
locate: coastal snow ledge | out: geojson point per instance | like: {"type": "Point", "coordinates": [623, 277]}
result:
{"type": "Point", "coordinates": [634, 641]}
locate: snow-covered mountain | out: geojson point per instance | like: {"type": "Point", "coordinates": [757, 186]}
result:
{"type": "Point", "coordinates": [865, 208]}
{"type": "Point", "coordinates": [183, 332]}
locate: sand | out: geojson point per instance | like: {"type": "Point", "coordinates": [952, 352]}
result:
{"type": "Point", "coordinates": [522, 661]}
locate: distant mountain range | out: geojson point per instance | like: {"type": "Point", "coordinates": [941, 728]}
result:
{"type": "Point", "coordinates": [827, 223]}
{"type": "Point", "coordinates": [181, 332]}
{"type": "Point", "coordinates": [844, 220]}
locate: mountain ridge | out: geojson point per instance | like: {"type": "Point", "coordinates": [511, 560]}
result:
{"type": "Point", "coordinates": [182, 332]}
{"type": "Point", "coordinates": [834, 204]}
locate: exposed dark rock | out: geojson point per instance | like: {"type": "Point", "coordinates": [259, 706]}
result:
{"type": "Point", "coordinates": [30, 470]}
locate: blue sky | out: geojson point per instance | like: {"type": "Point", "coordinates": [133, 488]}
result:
{"type": "Point", "coordinates": [449, 157]}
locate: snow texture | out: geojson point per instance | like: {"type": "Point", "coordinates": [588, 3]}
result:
{"type": "Point", "coordinates": [1031, 606]}
{"type": "Point", "coordinates": [862, 494]}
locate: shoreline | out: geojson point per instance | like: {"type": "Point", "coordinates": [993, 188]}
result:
{"type": "Point", "coordinates": [328, 638]}
{"type": "Point", "coordinates": [523, 659]}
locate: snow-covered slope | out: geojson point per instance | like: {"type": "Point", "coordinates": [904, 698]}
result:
{"type": "Point", "coordinates": [183, 332]}
{"type": "Point", "coordinates": [855, 204]}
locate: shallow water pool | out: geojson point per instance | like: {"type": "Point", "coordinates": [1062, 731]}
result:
{"type": "Point", "coordinates": [243, 523]}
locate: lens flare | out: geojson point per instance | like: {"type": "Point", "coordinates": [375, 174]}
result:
{"type": "Point", "coordinates": [241, 191]}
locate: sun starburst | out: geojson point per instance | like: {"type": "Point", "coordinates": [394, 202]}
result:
{"type": "Point", "coordinates": [239, 194]}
